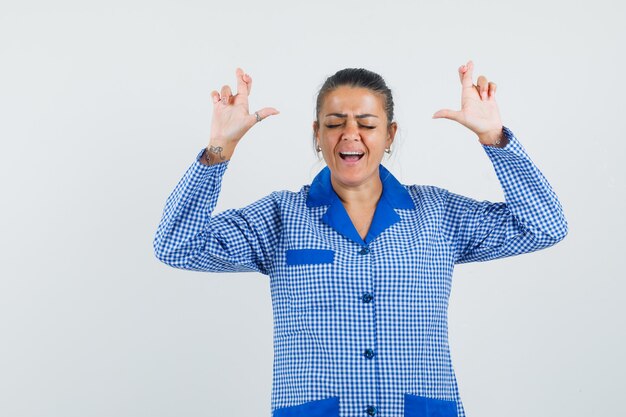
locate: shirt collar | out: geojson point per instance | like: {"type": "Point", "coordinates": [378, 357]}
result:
{"type": "Point", "coordinates": [322, 193]}
{"type": "Point", "coordinates": [394, 196]}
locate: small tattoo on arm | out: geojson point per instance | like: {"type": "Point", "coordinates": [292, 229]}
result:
{"type": "Point", "coordinates": [213, 153]}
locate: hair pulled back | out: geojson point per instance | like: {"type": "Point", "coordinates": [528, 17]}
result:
{"type": "Point", "coordinates": [357, 78]}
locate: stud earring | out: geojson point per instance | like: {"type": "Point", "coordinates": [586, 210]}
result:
{"type": "Point", "coordinates": [318, 149]}
{"type": "Point", "coordinates": [388, 150]}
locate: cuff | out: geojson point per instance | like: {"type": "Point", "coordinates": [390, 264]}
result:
{"type": "Point", "coordinates": [513, 145]}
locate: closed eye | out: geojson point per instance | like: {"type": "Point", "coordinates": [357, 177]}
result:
{"type": "Point", "coordinates": [364, 126]}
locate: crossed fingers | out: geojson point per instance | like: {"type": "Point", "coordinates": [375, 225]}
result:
{"type": "Point", "coordinates": [225, 101]}
{"type": "Point", "coordinates": [486, 90]}
{"type": "Point", "coordinates": [225, 96]}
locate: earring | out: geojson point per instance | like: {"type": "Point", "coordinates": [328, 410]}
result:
{"type": "Point", "coordinates": [318, 149]}
{"type": "Point", "coordinates": [388, 150]}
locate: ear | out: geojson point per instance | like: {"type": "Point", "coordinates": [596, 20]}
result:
{"type": "Point", "coordinates": [316, 130]}
{"type": "Point", "coordinates": [391, 133]}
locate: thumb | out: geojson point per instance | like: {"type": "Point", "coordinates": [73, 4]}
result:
{"type": "Point", "coordinates": [447, 114]}
{"type": "Point", "coordinates": [264, 113]}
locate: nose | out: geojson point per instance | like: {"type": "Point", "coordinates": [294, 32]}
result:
{"type": "Point", "coordinates": [351, 132]}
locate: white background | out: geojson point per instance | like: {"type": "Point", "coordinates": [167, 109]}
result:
{"type": "Point", "coordinates": [104, 105]}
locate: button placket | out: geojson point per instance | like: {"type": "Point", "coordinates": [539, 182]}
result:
{"type": "Point", "coordinates": [368, 354]}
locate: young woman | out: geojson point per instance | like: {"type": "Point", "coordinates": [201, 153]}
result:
{"type": "Point", "coordinates": [360, 265]}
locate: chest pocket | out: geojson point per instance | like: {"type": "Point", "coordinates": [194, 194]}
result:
{"type": "Point", "coordinates": [311, 277]}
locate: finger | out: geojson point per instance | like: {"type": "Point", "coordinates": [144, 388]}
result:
{"type": "Point", "coordinates": [215, 96]}
{"type": "Point", "coordinates": [242, 85]}
{"type": "Point", "coordinates": [481, 86]}
{"type": "Point", "coordinates": [264, 113]}
{"type": "Point", "coordinates": [248, 79]}
{"type": "Point", "coordinates": [492, 89]}
{"type": "Point", "coordinates": [226, 93]}
{"type": "Point", "coordinates": [465, 72]}
{"type": "Point", "coordinates": [447, 114]}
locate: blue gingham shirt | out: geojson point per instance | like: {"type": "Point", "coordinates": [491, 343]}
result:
{"type": "Point", "coordinates": [360, 325]}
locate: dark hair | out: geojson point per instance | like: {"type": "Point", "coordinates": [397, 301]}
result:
{"type": "Point", "coordinates": [357, 77]}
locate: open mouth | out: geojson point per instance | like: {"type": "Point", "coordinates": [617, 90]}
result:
{"type": "Point", "coordinates": [351, 156]}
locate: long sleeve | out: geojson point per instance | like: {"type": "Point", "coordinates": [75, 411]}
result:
{"type": "Point", "coordinates": [531, 218]}
{"type": "Point", "coordinates": [236, 240]}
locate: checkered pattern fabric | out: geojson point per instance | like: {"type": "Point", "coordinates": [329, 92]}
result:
{"type": "Point", "coordinates": [360, 325]}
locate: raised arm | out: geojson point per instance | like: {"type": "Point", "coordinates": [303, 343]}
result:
{"type": "Point", "coordinates": [189, 236]}
{"type": "Point", "coordinates": [531, 218]}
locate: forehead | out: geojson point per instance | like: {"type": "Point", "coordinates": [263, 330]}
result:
{"type": "Point", "coordinates": [356, 100]}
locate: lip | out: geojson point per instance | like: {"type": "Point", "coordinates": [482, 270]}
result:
{"type": "Point", "coordinates": [350, 162]}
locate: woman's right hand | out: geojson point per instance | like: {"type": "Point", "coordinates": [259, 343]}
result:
{"type": "Point", "coordinates": [231, 117]}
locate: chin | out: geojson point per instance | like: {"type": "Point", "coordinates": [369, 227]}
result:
{"type": "Point", "coordinates": [352, 178]}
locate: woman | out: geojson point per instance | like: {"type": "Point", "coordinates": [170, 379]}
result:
{"type": "Point", "coordinates": [360, 265]}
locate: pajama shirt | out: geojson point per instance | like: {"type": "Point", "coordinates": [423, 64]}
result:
{"type": "Point", "coordinates": [360, 325]}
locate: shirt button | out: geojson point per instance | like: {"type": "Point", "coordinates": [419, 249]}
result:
{"type": "Point", "coordinates": [371, 410]}
{"type": "Point", "coordinates": [369, 353]}
{"type": "Point", "coordinates": [364, 251]}
{"type": "Point", "coordinates": [367, 297]}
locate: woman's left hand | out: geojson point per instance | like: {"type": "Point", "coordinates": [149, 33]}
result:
{"type": "Point", "coordinates": [479, 110]}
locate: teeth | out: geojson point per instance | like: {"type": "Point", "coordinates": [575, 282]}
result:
{"type": "Point", "coordinates": [351, 153]}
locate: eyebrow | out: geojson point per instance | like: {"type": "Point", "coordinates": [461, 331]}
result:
{"type": "Point", "coordinates": [358, 116]}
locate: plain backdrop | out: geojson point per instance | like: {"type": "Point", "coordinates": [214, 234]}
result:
{"type": "Point", "coordinates": [104, 105]}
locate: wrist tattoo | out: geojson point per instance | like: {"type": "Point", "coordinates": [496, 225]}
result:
{"type": "Point", "coordinates": [214, 152]}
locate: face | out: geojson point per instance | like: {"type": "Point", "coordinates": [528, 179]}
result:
{"type": "Point", "coordinates": [353, 134]}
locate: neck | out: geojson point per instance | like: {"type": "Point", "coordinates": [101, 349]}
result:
{"type": "Point", "coordinates": [367, 193]}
